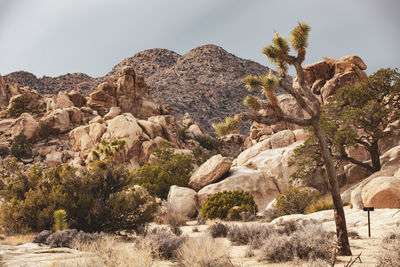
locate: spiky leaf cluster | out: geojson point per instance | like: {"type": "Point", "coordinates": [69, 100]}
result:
{"type": "Point", "coordinates": [299, 36]}
{"type": "Point", "coordinates": [229, 126]}
{"type": "Point", "coordinates": [278, 53]}
{"type": "Point", "coordinates": [270, 82]}
{"type": "Point", "coordinates": [252, 103]}
{"type": "Point", "coordinates": [106, 149]}
{"type": "Point", "coordinates": [253, 83]}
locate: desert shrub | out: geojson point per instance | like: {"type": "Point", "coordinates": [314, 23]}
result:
{"type": "Point", "coordinates": [243, 212]}
{"type": "Point", "coordinates": [168, 215]}
{"type": "Point", "coordinates": [353, 235]}
{"type": "Point", "coordinates": [201, 155]}
{"type": "Point", "coordinates": [4, 151]}
{"type": "Point", "coordinates": [309, 242]}
{"type": "Point", "coordinates": [252, 234]}
{"type": "Point", "coordinates": [18, 106]}
{"type": "Point", "coordinates": [390, 253]}
{"type": "Point", "coordinates": [203, 251]}
{"type": "Point", "coordinates": [60, 220]}
{"type": "Point", "coordinates": [218, 229]}
{"type": "Point", "coordinates": [111, 251]}
{"type": "Point", "coordinates": [208, 142]}
{"type": "Point", "coordinates": [287, 227]}
{"type": "Point", "coordinates": [293, 200]}
{"type": "Point", "coordinates": [165, 242]}
{"type": "Point", "coordinates": [165, 170]}
{"type": "Point", "coordinates": [320, 204]}
{"type": "Point", "coordinates": [219, 204]}
{"type": "Point", "coordinates": [101, 197]}
{"type": "Point", "coordinates": [21, 147]}
{"type": "Point", "coordinates": [45, 131]}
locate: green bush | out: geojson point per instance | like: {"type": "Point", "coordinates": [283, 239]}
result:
{"type": "Point", "coordinates": [219, 204]}
{"type": "Point", "coordinates": [4, 151]}
{"type": "Point", "coordinates": [294, 200]}
{"type": "Point", "coordinates": [45, 131]}
{"type": "Point", "coordinates": [165, 170]}
{"type": "Point", "coordinates": [101, 197]}
{"type": "Point", "coordinates": [21, 147]}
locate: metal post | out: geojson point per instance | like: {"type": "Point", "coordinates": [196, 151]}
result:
{"type": "Point", "coordinates": [369, 225]}
{"type": "Point", "coordinates": [369, 209]}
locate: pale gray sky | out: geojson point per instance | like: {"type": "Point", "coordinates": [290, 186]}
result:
{"type": "Point", "coordinates": [53, 37]}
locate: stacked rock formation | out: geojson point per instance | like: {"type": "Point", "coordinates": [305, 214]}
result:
{"type": "Point", "coordinates": [130, 93]}
{"type": "Point", "coordinates": [325, 77]}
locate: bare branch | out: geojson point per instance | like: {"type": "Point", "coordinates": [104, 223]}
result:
{"type": "Point", "coordinates": [300, 100]}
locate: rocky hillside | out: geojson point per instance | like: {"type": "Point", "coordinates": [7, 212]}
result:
{"type": "Point", "coordinates": [205, 82]}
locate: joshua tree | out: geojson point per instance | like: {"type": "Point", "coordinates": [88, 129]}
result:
{"type": "Point", "coordinates": [278, 53]}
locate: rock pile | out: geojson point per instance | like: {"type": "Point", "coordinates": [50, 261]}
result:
{"type": "Point", "coordinates": [325, 77]}
{"type": "Point", "coordinates": [67, 126]}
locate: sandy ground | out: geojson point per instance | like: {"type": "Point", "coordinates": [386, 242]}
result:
{"type": "Point", "coordinates": [383, 222]}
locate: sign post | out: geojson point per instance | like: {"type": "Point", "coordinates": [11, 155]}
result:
{"type": "Point", "coordinates": [368, 209]}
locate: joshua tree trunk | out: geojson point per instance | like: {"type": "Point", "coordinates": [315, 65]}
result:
{"type": "Point", "coordinates": [279, 54]}
{"type": "Point", "coordinates": [340, 220]}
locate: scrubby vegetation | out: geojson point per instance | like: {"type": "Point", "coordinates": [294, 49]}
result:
{"type": "Point", "coordinates": [390, 253]}
{"type": "Point", "coordinates": [20, 147]}
{"type": "Point", "coordinates": [249, 234]}
{"type": "Point", "coordinates": [203, 251]}
{"type": "Point", "coordinates": [166, 169]}
{"type": "Point", "coordinates": [220, 204]}
{"type": "Point", "coordinates": [307, 242]}
{"type": "Point", "coordinates": [100, 197]}
{"type": "Point", "coordinates": [294, 200]}
{"type": "Point", "coordinates": [218, 229]}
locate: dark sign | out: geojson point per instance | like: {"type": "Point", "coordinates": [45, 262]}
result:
{"type": "Point", "coordinates": [368, 208]}
{"type": "Point", "coordinates": [369, 220]}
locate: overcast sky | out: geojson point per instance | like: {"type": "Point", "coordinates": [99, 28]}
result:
{"type": "Point", "coordinates": [54, 37]}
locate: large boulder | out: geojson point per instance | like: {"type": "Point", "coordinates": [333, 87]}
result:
{"type": "Point", "coordinates": [355, 173]}
{"type": "Point", "coordinates": [81, 140]}
{"type": "Point", "coordinates": [104, 98]}
{"type": "Point", "coordinates": [152, 129]}
{"type": "Point", "coordinates": [61, 100]}
{"type": "Point", "coordinates": [54, 158]}
{"type": "Point", "coordinates": [183, 200]}
{"type": "Point", "coordinates": [252, 152]}
{"type": "Point", "coordinates": [282, 139]}
{"type": "Point", "coordinates": [209, 172]}
{"type": "Point", "coordinates": [58, 120]}
{"type": "Point", "coordinates": [125, 127]}
{"type": "Point", "coordinates": [77, 99]}
{"type": "Point", "coordinates": [26, 125]}
{"type": "Point", "coordinates": [262, 188]}
{"type": "Point", "coordinates": [382, 192]}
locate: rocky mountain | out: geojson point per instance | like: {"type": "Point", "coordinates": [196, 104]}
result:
{"type": "Point", "coordinates": [205, 82]}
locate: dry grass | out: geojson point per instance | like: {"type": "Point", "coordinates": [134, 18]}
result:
{"type": "Point", "coordinates": [390, 252]}
{"type": "Point", "coordinates": [250, 234]}
{"type": "Point", "coordinates": [203, 252]}
{"type": "Point", "coordinates": [307, 242]}
{"type": "Point", "coordinates": [110, 251]}
{"type": "Point", "coordinates": [168, 215]}
{"type": "Point", "coordinates": [18, 239]}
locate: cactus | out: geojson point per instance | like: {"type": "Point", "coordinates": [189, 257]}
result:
{"type": "Point", "coordinates": [60, 220]}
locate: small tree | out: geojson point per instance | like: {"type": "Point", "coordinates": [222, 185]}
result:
{"type": "Point", "coordinates": [278, 53]}
{"type": "Point", "coordinates": [359, 115]}
{"type": "Point", "coordinates": [165, 170]}
{"type": "Point", "coordinates": [21, 147]}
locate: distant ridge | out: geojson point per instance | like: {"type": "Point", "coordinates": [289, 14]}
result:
{"type": "Point", "coordinates": [206, 82]}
